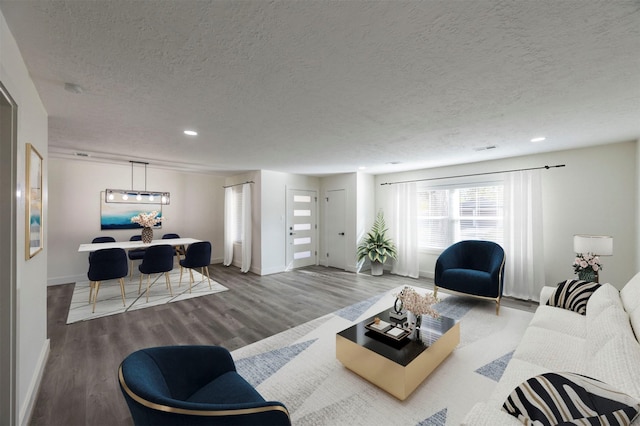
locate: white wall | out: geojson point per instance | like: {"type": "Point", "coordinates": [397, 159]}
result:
{"type": "Point", "coordinates": [273, 216]}
{"type": "Point", "coordinates": [594, 194]}
{"type": "Point", "coordinates": [366, 213]}
{"type": "Point", "coordinates": [196, 209]}
{"type": "Point", "coordinates": [31, 275]}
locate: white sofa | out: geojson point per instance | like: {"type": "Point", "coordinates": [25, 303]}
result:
{"type": "Point", "coordinates": [600, 344]}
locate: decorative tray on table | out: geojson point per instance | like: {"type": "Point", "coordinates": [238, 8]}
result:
{"type": "Point", "coordinates": [386, 329]}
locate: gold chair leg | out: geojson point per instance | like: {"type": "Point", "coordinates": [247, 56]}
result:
{"type": "Point", "coordinates": [90, 292]}
{"type": "Point", "coordinates": [206, 269]}
{"type": "Point", "coordinates": [498, 306]}
{"type": "Point", "coordinates": [149, 275]}
{"type": "Point", "coordinates": [180, 282]}
{"type": "Point", "coordinates": [122, 291]}
{"type": "Point", "coordinates": [168, 280]}
{"type": "Point", "coordinates": [140, 283]}
{"type": "Point", "coordinates": [95, 296]}
{"type": "Point", "coordinates": [435, 290]}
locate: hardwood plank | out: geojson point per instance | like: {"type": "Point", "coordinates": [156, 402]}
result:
{"type": "Point", "coordinates": [79, 385]}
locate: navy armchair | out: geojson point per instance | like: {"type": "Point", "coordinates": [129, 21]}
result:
{"type": "Point", "coordinates": [475, 268]}
{"type": "Point", "coordinates": [193, 385]}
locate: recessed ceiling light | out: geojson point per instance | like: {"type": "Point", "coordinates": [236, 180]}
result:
{"type": "Point", "coordinates": [538, 139]}
{"type": "Point", "coordinates": [191, 133]}
{"type": "Point", "coordinates": [362, 167]}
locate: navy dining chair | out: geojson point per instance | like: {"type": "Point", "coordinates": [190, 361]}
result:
{"type": "Point", "coordinates": [103, 239]}
{"type": "Point", "coordinates": [157, 259]}
{"type": "Point", "coordinates": [106, 264]}
{"type": "Point", "coordinates": [180, 250]}
{"type": "Point", "coordinates": [135, 254]}
{"type": "Point", "coordinates": [198, 256]}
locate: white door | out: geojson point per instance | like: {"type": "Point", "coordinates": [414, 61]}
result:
{"type": "Point", "coordinates": [335, 226]}
{"type": "Point", "coordinates": [301, 228]}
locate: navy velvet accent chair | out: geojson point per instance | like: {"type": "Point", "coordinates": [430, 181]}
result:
{"type": "Point", "coordinates": [157, 259]}
{"type": "Point", "coordinates": [475, 268]}
{"type": "Point", "coordinates": [193, 385]}
{"type": "Point", "coordinates": [135, 254]}
{"type": "Point", "coordinates": [107, 264]}
{"type": "Point", "coordinates": [198, 256]}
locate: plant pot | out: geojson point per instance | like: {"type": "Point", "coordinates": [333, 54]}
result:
{"type": "Point", "coordinates": [376, 268]}
{"type": "Point", "coordinates": [587, 275]}
{"type": "Point", "coordinates": [147, 235]}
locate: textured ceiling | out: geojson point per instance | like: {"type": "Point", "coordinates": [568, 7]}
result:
{"type": "Point", "coordinates": [321, 87]}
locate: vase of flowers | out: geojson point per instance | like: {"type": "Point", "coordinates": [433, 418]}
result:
{"type": "Point", "coordinates": [147, 221]}
{"type": "Point", "coordinates": [416, 305]}
{"type": "Point", "coordinates": [587, 266]}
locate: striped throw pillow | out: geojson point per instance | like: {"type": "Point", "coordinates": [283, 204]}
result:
{"type": "Point", "coordinates": [573, 295]}
{"type": "Point", "coordinates": [568, 399]}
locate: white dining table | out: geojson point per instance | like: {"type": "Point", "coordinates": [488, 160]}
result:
{"type": "Point", "coordinates": [136, 244]}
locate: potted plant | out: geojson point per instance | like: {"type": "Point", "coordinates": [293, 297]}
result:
{"type": "Point", "coordinates": [376, 246]}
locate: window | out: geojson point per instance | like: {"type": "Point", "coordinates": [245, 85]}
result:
{"type": "Point", "coordinates": [450, 214]}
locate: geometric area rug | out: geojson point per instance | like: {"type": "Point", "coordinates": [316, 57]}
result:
{"type": "Point", "coordinates": [110, 298]}
{"type": "Point", "coordinates": [298, 367]}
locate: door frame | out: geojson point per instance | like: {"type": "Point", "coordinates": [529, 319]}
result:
{"type": "Point", "coordinates": [8, 249]}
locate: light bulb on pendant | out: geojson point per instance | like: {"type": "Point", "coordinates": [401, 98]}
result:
{"type": "Point", "coordinates": [111, 197]}
{"type": "Point", "coordinates": [151, 197]}
{"type": "Point", "coordinates": [139, 197]}
{"type": "Point", "coordinates": [125, 197]}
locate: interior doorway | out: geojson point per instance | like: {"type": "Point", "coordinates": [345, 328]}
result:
{"type": "Point", "coordinates": [335, 228]}
{"type": "Point", "coordinates": [301, 228]}
{"type": "Point", "coordinates": [8, 249]}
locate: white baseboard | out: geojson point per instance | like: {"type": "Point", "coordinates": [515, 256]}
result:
{"type": "Point", "coordinates": [27, 408]}
{"type": "Point", "coordinates": [66, 280]}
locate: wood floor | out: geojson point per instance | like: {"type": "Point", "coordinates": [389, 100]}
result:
{"type": "Point", "coordinates": [80, 387]}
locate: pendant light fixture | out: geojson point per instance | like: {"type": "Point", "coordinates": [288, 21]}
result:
{"type": "Point", "coordinates": [136, 196]}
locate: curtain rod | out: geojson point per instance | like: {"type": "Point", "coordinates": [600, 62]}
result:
{"type": "Point", "coordinates": [236, 184]}
{"type": "Point", "coordinates": [474, 174]}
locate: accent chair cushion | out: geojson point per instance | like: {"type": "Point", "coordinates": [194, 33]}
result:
{"type": "Point", "coordinates": [229, 388]}
{"type": "Point", "coordinates": [569, 398]}
{"type": "Point", "coordinates": [573, 295]}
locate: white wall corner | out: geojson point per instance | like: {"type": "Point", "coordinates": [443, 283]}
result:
{"type": "Point", "coordinates": [32, 392]}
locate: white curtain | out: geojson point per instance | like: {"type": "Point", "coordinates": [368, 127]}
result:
{"type": "Point", "coordinates": [524, 269]}
{"type": "Point", "coordinates": [246, 227]}
{"type": "Point", "coordinates": [228, 225]}
{"type": "Point", "coordinates": [404, 224]}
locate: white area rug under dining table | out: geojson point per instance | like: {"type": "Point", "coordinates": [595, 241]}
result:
{"type": "Point", "coordinates": [110, 299]}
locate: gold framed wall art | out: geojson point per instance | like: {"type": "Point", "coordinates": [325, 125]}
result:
{"type": "Point", "coordinates": [34, 229]}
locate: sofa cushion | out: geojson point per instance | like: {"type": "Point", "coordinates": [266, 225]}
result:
{"type": "Point", "coordinates": [553, 350]}
{"type": "Point", "coordinates": [606, 295]}
{"type": "Point", "coordinates": [573, 295]}
{"type": "Point", "coordinates": [634, 316]}
{"type": "Point", "coordinates": [617, 362]}
{"type": "Point", "coordinates": [608, 324]}
{"type": "Point", "coordinates": [630, 294]}
{"type": "Point", "coordinates": [553, 398]}
{"type": "Point", "coordinates": [561, 320]}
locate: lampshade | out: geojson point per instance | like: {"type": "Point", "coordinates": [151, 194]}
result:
{"type": "Point", "coordinates": [601, 245]}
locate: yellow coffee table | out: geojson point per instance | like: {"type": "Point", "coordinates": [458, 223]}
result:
{"type": "Point", "coordinates": [398, 367]}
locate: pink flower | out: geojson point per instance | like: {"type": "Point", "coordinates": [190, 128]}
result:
{"type": "Point", "coordinates": [583, 264]}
